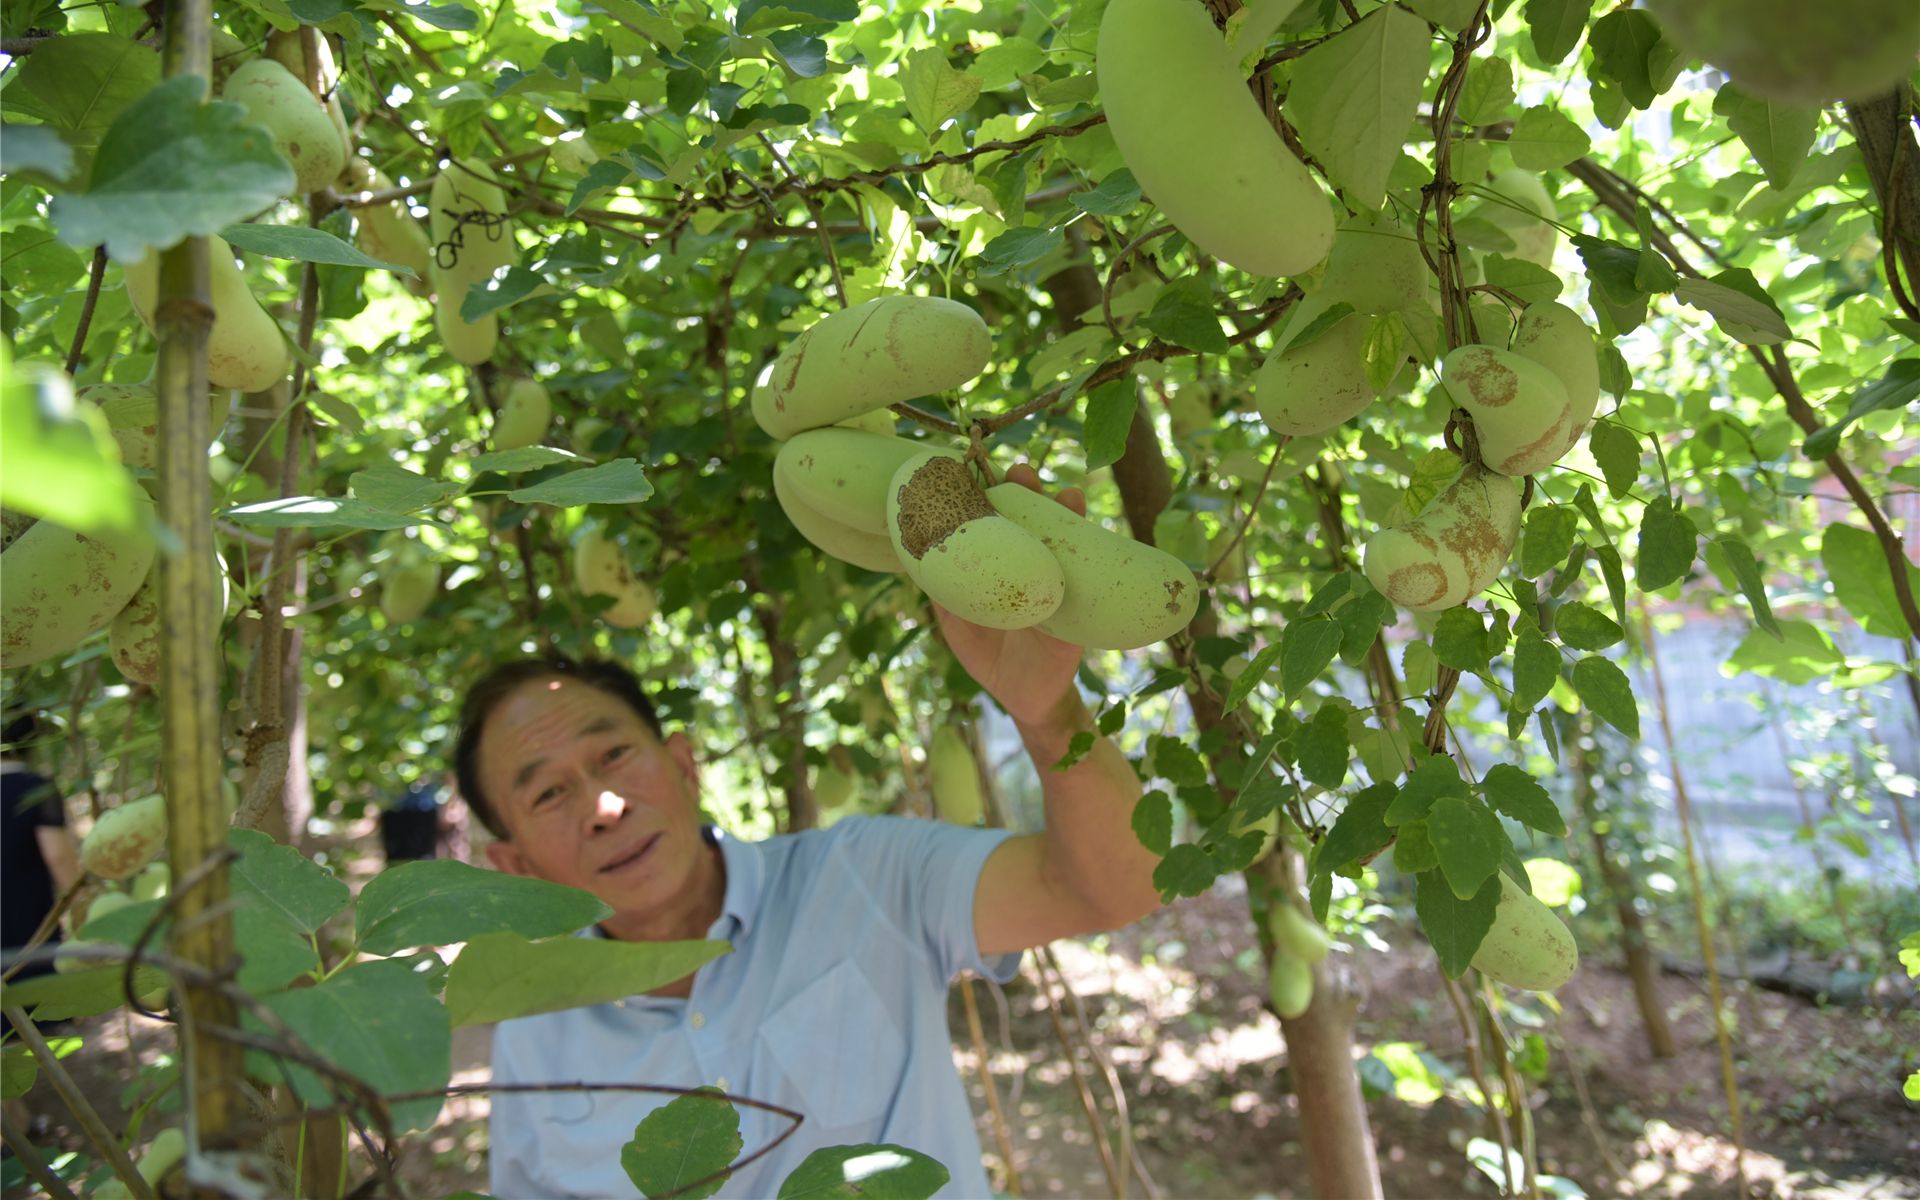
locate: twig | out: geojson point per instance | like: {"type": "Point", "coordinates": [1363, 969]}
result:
{"type": "Point", "coordinates": [1516, 1092]}
{"type": "Point", "coordinates": [1477, 1067]}
{"type": "Point", "coordinates": [1116, 1182]}
{"type": "Point", "coordinates": [30, 1159]}
{"type": "Point", "coordinates": [1001, 1137]}
{"type": "Point", "coordinates": [86, 309]}
{"type": "Point", "coordinates": [1253, 506]}
{"type": "Point", "coordinates": [813, 210]}
{"type": "Point", "coordinates": [1114, 269]}
{"type": "Point", "coordinates": [104, 1143]}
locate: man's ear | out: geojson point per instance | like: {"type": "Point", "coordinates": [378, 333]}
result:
{"type": "Point", "coordinates": [680, 746]}
{"type": "Point", "coordinates": [505, 856]}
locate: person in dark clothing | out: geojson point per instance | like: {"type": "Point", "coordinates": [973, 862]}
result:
{"type": "Point", "coordinates": [38, 856]}
{"type": "Point", "coordinates": [410, 829]}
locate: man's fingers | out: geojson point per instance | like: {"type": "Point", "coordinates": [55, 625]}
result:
{"type": "Point", "coordinates": [1075, 500]}
{"type": "Point", "coordinates": [1025, 476]}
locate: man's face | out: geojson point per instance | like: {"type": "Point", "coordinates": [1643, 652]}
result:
{"type": "Point", "coordinates": [589, 796]}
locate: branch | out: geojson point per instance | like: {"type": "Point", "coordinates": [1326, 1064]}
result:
{"type": "Point", "coordinates": [86, 309]}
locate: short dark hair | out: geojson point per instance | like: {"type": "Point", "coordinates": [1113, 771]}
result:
{"type": "Point", "coordinates": [22, 726]}
{"type": "Point", "coordinates": [490, 689]}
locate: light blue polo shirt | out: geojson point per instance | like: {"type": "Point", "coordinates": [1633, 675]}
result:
{"type": "Point", "coordinates": [833, 1003]}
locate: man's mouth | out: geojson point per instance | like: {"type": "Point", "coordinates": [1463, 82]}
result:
{"type": "Point", "coordinates": [636, 858]}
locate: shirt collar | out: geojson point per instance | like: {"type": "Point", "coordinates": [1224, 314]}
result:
{"type": "Point", "coordinates": [746, 876]}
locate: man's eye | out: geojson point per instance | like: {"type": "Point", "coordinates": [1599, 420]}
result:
{"type": "Point", "coordinates": [547, 796]}
{"type": "Point", "coordinates": [615, 754]}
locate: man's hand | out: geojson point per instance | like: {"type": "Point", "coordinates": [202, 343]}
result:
{"type": "Point", "coordinates": [1029, 673]}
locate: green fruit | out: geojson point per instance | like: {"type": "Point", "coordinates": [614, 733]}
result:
{"type": "Point", "coordinates": [59, 587]}
{"type": "Point", "coordinates": [883, 352]}
{"type": "Point", "coordinates": [472, 239]}
{"type": "Point", "coordinates": [134, 637]}
{"type": "Point", "coordinates": [1454, 549]}
{"type": "Point", "coordinates": [833, 788]}
{"type": "Point", "coordinates": [298, 121]}
{"type": "Point", "coordinates": [843, 474]}
{"type": "Point", "coordinates": [1523, 209]}
{"type": "Point", "coordinates": [1528, 947]}
{"type": "Point", "coordinates": [880, 420]}
{"type": "Point", "coordinates": [1554, 336]}
{"type": "Point", "coordinates": [1121, 594]}
{"type": "Point", "coordinates": [868, 551]}
{"type": "Point", "coordinates": [524, 416]}
{"type": "Point", "coordinates": [1795, 52]}
{"type": "Point", "coordinates": [1520, 409]}
{"type": "Point", "coordinates": [1290, 985]}
{"type": "Point", "coordinates": [245, 348]}
{"type": "Point", "coordinates": [964, 555]}
{"type": "Point", "coordinates": [389, 231]}
{"type": "Point", "coordinates": [1375, 266]}
{"type": "Point", "coordinates": [126, 838]}
{"type": "Point", "coordinates": [1308, 390]}
{"type": "Point", "coordinates": [956, 778]}
{"type": "Point", "coordinates": [151, 883]}
{"type": "Point", "coordinates": [1178, 107]}
{"type": "Point", "coordinates": [600, 569]}
{"type": "Point", "coordinates": [169, 1146]}
{"type": "Point", "coordinates": [133, 413]}
{"type": "Point", "coordinates": [105, 904]}
{"type": "Point", "coordinates": [1296, 934]}
{"type": "Point", "coordinates": [408, 589]}
{"type": "Point", "coordinates": [228, 53]}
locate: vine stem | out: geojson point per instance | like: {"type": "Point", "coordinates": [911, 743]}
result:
{"type": "Point", "coordinates": [1116, 1181]}
{"type": "Point", "coordinates": [1610, 189]}
{"type": "Point", "coordinates": [1477, 1067]}
{"type": "Point", "coordinates": [1729, 1079]}
{"type": "Point", "coordinates": [35, 1166]}
{"type": "Point", "coordinates": [1001, 1137]}
{"type": "Point", "coordinates": [813, 210]}
{"type": "Point", "coordinates": [104, 1143]}
{"type": "Point", "coordinates": [86, 309]}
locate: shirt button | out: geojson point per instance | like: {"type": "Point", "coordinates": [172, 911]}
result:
{"type": "Point", "coordinates": [698, 1020]}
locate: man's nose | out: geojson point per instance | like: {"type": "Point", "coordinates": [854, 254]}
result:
{"type": "Point", "coordinates": [608, 807]}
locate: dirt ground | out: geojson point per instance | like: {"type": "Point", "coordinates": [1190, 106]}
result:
{"type": "Point", "coordinates": [1177, 1010]}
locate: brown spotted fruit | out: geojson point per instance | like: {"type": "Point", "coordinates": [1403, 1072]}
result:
{"type": "Point", "coordinates": [1528, 947]}
{"type": "Point", "coordinates": [389, 231]}
{"type": "Point", "coordinates": [126, 838]}
{"type": "Point", "coordinates": [1454, 549]}
{"type": "Point", "coordinates": [302, 131]}
{"type": "Point", "coordinates": [1554, 336]}
{"type": "Point", "coordinates": [843, 473]}
{"type": "Point", "coordinates": [863, 549]}
{"type": "Point", "coordinates": [58, 587]}
{"type": "Point", "coordinates": [1520, 409]}
{"type": "Point", "coordinates": [883, 352]}
{"type": "Point", "coordinates": [964, 555]}
{"type": "Point", "coordinates": [245, 348]}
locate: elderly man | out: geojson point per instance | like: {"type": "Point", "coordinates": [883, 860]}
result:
{"type": "Point", "coordinates": [833, 1001]}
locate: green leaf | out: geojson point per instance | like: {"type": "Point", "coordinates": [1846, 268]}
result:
{"type": "Point", "coordinates": [1359, 831]}
{"type": "Point", "coordinates": [1778, 135]}
{"type": "Point", "coordinates": [1862, 580]}
{"type": "Point", "coordinates": [1802, 654]}
{"type": "Point", "coordinates": [1436, 776]}
{"type": "Point", "coordinates": [1307, 648]}
{"type": "Point", "coordinates": [376, 1020]}
{"type": "Point", "coordinates": [277, 878]}
{"type": "Point", "coordinates": [1544, 139]}
{"type": "Point", "coordinates": [1530, 281]}
{"type": "Point", "coordinates": [318, 512]}
{"type": "Point", "coordinates": [1549, 539]}
{"type": "Point", "coordinates": [1354, 96]}
{"type": "Point", "coordinates": [18, 1067]}
{"type": "Point", "coordinates": [171, 168]}
{"type": "Point", "coordinates": [758, 16]}
{"type": "Point", "coordinates": [622, 481]}
{"type": "Point", "coordinates": [58, 459]}
{"type": "Point", "coordinates": [1456, 927]}
{"type": "Point", "coordinates": [1322, 747]}
{"type": "Point", "coordinates": [437, 901]}
{"type": "Point", "coordinates": [1174, 760]}
{"type": "Point", "coordinates": [500, 976]}
{"type": "Point", "coordinates": [1584, 628]}
{"type": "Point", "coordinates": [1460, 639]}
{"type": "Point", "coordinates": [1518, 795]}
{"type": "Point", "coordinates": [1555, 27]}
{"type": "Point", "coordinates": [35, 148]}
{"type": "Point", "coordinates": [872, 1172]}
{"type": "Point", "coordinates": [1109, 419]}
{"type": "Point", "coordinates": [1746, 314]}
{"type": "Point", "coordinates": [496, 295]}
{"type": "Point", "coordinates": [303, 244]}
{"type": "Point", "coordinates": [395, 489]}
{"type": "Point", "coordinates": [83, 993]}
{"type": "Point", "coordinates": [1018, 248]}
{"type": "Point", "coordinates": [1186, 870]}
{"type": "Point", "coordinates": [1617, 449]}
{"type": "Point", "coordinates": [1668, 543]}
{"type": "Point", "coordinates": [77, 84]}
{"type": "Point", "coordinates": [1738, 559]}
{"type": "Point", "coordinates": [1616, 577]}
{"type": "Point", "coordinates": [1623, 44]}
{"type": "Point", "coordinates": [1116, 196]}
{"type": "Point", "coordinates": [1894, 389]}
{"type": "Point", "coordinates": [1153, 820]}
{"type": "Point", "coordinates": [1487, 92]}
{"type": "Point", "coordinates": [936, 92]}
{"type": "Point", "coordinates": [1469, 841]}
{"type": "Point", "coordinates": [1256, 672]}
{"type": "Point", "coordinates": [1448, 14]}
{"type": "Point", "coordinates": [1536, 664]}
{"type": "Point", "coordinates": [1186, 316]}
{"type": "Point", "coordinates": [1432, 472]}
{"type": "Point", "coordinates": [522, 458]}
{"type": "Point", "coordinates": [1414, 852]}
{"type": "Point", "coordinates": [1606, 691]}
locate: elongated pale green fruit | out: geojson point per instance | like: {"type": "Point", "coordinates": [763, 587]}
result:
{"type": "Point", "coordinates": [1375, 266]}
{"type": "Point", "coordinates": [408, 588]}
{"type": "Point", "coordinates": [956, 778]}
{"type": "Point", "coordinates": [228, 53]}
{"type": "Point", "coordinates": [1520, 409]}
{"type": "Point", "coordinates": [1289, 985]}
{"type": "Point", "coordinates": [833, 787]}
{"type": "Point", "coordinates": [1528, 224]}
{"type": "Point", "coordinates": [296, 118]}
{"type": "Point", "coordinates": [1554, 336]}
{"type": "Point", "coordinates": [843, 474]}
{"type": "Point", "coordinates": [59, 587]}
{"type": "Point", "coordinates": [245, 348]}
{"type": "Point", "coordinates": [868, 551]}
{"type": "Point", "coordinates": [134, 637]}
{"type": "Point", "coordinates": [1794, 52]}
{"type": "Point", "coordinates": [880, 420]}
{"type": "Point", "coordinates": [1454, 549]}
{"type": "Point", "coordinates": [389, 231]}
{"type": "Point", "coordinates": [126, 838]}
{"type": "Point", "coordinates": [1528, 947]}
{"type": "Point", "coordinates": [151, 883]}
{"type": "Point", "coordinates": [886, 351]}
{"type": "Point", "coordinates": [600, 569]}
{"type": "Point", "coordinates": [1120, 594]}
{"type": "Point", "coordinates": [524, 416]}
{"type": "Point", "coordinates": [133, 414]}
{"type": "Point", "coordinates": [1308, 390]}
{"type": "Point", "coordinates": [1194, 137]}
{"type": "Point", "coordinates": [963, 553]}
{"type": "Point", "coordinates": [472, 239]}
{"type": "Point", "coordinates": [1296, 934]}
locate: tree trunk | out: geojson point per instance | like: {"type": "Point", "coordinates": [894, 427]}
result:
{"type": "Point", "coordinates": [1641, 967]}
